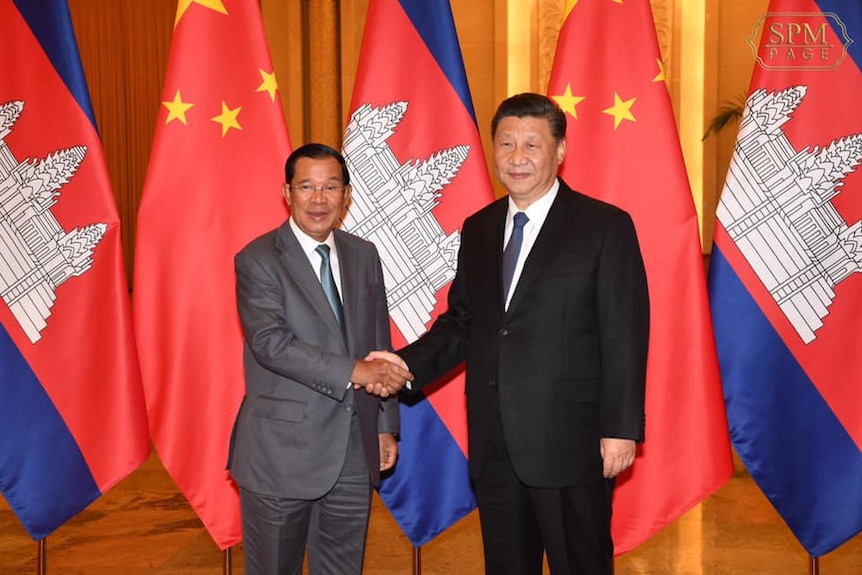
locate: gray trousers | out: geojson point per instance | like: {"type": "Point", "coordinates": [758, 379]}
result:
{"type": "Point", "coordinates": [334, 527]}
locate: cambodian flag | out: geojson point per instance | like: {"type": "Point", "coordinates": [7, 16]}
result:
{"type": "Point", "coordinates": [72, 417]}
{"type": "Point", "coordinates": [417, 170]}
{"type": "Point", "coordinates": [784, 282]}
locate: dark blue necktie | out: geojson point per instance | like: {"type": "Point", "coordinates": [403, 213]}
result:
{"type": "Point", "coordinates": [513, 248]}
{"type": "Point", "coordinates": [328, 283]}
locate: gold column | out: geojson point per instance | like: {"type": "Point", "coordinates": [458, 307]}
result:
{"type": "Point", "coordinates": [322, 59]}
{"type": "Point", "coordinates": [283, 22]}
{"type": "Point", "coordinates": [690, 20]}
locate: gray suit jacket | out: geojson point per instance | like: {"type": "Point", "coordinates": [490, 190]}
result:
{"type": "Point", "coordinates": [290, 436]}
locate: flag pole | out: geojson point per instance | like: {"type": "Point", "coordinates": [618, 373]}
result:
{"type": "Point", "coordinates": [417, 560]}
{"type": "Point", "coordinates": [41, 568]}
{"type": "Point", "coordinates": [814, 565]}
{"type": "Point", "coordinates": [226, 568]}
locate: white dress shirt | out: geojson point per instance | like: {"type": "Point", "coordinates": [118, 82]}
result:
{"type": "Point", "coordinates": [536, 212]}
{"type": "Point", "coordinates": [309, 246]}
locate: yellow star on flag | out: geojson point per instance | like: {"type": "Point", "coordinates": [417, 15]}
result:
{"type": "Point", "coordinates": [621, 110]}
{"type": "Point", "coordinates": [568, 102]}
{"type": "Point", "coordinates": [177, 109]}
{"type": "Point", "coordinates": [227, 118]}
{"type": "Point", "coordinates": [269, 84]}
{"type": "Point", "coordinates": [184, 5]}
{"type": "Point", "coordinates": [661, 71]}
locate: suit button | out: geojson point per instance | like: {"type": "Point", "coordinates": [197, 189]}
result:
{"type": "Point", "coordinates": [492, 384]}
{"type": "Point", "coordinates": [504, 332]}
{"type": "Point", "coordinates": [348, 408]}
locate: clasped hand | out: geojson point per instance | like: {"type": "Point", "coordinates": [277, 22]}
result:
{"type": "Point", "coordinates": [381, 373]}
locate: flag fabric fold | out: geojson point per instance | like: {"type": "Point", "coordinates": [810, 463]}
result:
{"type": "Point", "coordinates": [623, 148]}
{"type": "Point", "coordinates": [213, 184]}
{"type": "Point", "coordinates": [415, 179]}
{"type": "Point", "coordinates": [72, 417]}
{"type": "Point", "coordinates": [784, 281]}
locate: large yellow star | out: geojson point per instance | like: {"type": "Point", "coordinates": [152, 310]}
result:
{"type": "Point", "coordinates": [183, 5]}
{"type": "Point", "coordinates": [177, 109]}
{"type": "Point", "coordinates": [621, 110]}
{"type": "Point", "coordinates": [268, 84]}
{"type": "Point", "coordinates": [568, 102]}
{"type": "Point", "coordinates": [661, 71]}
{"type": "Point", "coordinates": [228, 118]}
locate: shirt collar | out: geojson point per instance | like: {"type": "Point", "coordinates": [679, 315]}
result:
{"type": "Point", "coordinates": [538, 210]}
{"type": "Point", "coordinates": [308, 243]}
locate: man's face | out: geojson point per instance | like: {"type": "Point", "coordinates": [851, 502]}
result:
{"type": "Point", "coordinates": [317, 196]}
{"type": "Point", "coordinates": [526, 157]}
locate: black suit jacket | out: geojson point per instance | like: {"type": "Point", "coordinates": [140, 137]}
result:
{"type": "Point", "coordinates": [568, 358]}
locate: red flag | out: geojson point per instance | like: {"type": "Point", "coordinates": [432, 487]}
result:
{"type": "Point", "coordinates": [623, 148]}
{"type": "Point", "coordinates": [213, 184]}
{"type": "Point", "coordinates": [72, 419]}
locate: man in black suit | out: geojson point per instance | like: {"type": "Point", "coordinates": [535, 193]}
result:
{"type": "Point", "coordinates": [307, 447]}
{"type": "Point", "coordinates": [556, 362]}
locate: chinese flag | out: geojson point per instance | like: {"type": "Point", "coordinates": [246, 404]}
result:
{"type": "Point", "coordinates": [623, 148]}
{"type": "Point", "coordinates": [213, 184]}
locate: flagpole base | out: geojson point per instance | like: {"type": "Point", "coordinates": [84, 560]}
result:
{"type": "Point", "coordinates": [417, 561]}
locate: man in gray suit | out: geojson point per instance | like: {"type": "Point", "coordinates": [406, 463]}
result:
{"type": "Point", "coordinates": [309, 442]}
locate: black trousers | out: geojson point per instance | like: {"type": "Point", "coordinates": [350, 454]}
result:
{"type": "Point", "coordinates": [520, 523]}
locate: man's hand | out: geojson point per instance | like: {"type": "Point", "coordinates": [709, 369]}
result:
{"type": "Point", "coordinates": [617, 455]}
{"type": "Point", "coordinates": [388, 356]}
{"type": "Point", "coordinates": [379, 376]}
{"type": "Point", "coordinates": [388, 451]}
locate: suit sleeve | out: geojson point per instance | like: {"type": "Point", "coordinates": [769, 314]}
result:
{"type": "Point", "coordinates": [272, 341]}
{"type": "Point", "coordinates": [623, 312]}
{"type": "Point", "coordinates": [443, 346]}
{"type": "Point", "coordinates": [389, 418]}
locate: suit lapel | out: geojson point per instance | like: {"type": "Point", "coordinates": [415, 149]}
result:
{"type": "Point", "coordinates": [546, 245]}
{"type": "Point", "coordinates": [494, 238]}
{"type": "Point", "coordinates": [300, 270]}
{"type": "Point", "coordinates": [349, 281]}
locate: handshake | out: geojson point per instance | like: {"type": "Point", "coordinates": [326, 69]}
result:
{"type": "Point", "coordinates": [381, 373]}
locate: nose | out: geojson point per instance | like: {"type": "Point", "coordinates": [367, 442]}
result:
{"type": "Point", "coordinates": [517, 156]}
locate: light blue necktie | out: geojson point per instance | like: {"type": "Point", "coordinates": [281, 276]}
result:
{"type": "Point", "coordinates": [513, 248]}
{"type": "Point", "coordinates": [329, 287]}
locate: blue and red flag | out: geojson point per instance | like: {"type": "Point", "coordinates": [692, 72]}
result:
{"type": "Point", "coordinates": [784, 281]}
{"type": "Point", "coordinates": [72, 417]}
{"type": "Point", "coordinates": [415, 179]}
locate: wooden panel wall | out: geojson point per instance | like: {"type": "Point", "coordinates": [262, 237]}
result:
{"type": "Point", "coordinates": [315, 49]}
{"type": "Point", "coordinates": [124, 49]}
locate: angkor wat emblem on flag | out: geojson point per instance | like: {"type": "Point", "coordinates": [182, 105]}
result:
{"type": "Point", "coordinates": [391, 206]}
{"type": "Point", "coordinates": [36, 254]}
{"type": "Point", "coordinates": [777, 207]}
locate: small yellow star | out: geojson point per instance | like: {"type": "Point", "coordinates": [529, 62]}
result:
{"type": "Point", "coordinates": [228, 118]}
{"type": "Point", "coordinates": [184, 5]}
{"type": "Point", "coordinates": [177, 109]}
{"type": "Point", "coordinates": [568, 102]}
{"type": "Point", "coordinates": [661, 71]}
{"type": "Point", "coordinates": [621, 110]}
{"type": "Point", "coordinates": [268, 84]}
